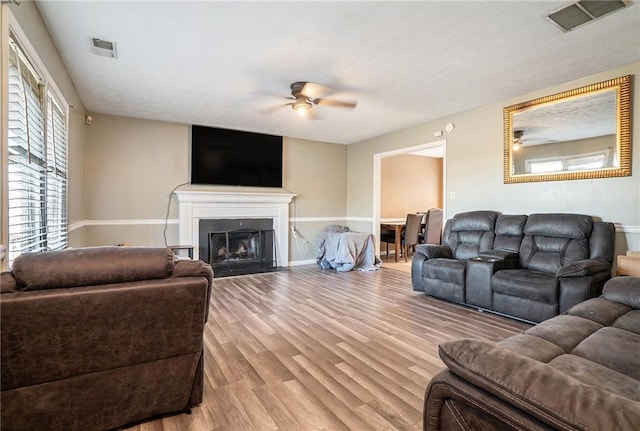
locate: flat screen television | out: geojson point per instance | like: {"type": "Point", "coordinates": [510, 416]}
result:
{"type": "Point", "coordinates": [235, 158]}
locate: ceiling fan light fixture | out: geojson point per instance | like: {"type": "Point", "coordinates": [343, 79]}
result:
{"type": "Point", "coordinates": [517, 139]}
{"type": "Point", "coordinates": [301, 105]}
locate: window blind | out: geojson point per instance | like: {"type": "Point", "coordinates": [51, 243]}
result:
{"type": "Point", "coordinates": [37, 161]}
{"type": "Point", "coordinates": [56, 198]}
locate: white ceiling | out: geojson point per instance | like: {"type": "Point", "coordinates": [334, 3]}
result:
{"type": "Point", "coordinates": [211, 63]}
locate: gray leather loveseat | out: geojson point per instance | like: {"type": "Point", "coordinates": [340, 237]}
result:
{"type": "Point", "coordinates": [529, 267]}
{"type": "Point", "coordinates": [96, 338]}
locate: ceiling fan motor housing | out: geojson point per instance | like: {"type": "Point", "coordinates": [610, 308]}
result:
{"type": "Point", "coordinates": [302, 103]}
{"type": "Point", "coordinates": [296, 89]}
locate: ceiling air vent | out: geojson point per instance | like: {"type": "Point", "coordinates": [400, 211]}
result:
{"type": "Point", "coordinates": [584, 11]}
{"type": "Point", "coordinates": [103, 47]}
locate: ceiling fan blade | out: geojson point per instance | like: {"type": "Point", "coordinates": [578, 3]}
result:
{"type": "Point", "coordinates": [273, 109]}
{"type": "Point", "coordinates": [269, 94]}
{"type": "Point", "coordinates": [335, 103]}
{"type": "Point", "coordinates": [312, 90]}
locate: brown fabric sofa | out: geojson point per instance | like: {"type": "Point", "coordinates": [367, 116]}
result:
{"type": "Point", "coordinates": [576, 371]}
{"type": "Point", "coordinates": [97, 338]}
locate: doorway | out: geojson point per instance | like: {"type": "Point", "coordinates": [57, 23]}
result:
{"type": "Point", "coordinates": [435, 149]}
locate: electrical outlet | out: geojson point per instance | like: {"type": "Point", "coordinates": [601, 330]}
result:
{"type": "Point", "coordinates": [294, 232]}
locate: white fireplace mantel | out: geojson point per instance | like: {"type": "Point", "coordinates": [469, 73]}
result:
{"type": "Point", "coordinates": [194, 205]}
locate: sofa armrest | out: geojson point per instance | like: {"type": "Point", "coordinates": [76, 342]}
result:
{"type": "Point", "coordinates": [195, 268]}
{"type": "Point", "coordinates": [452, 403]}
{"type": "Point", "coordinates": [624, 290]}
{"type": "Point", "coordinates": [581, 268]}
{"type": "Point", "coordinates": [423, 253]}
{"type": "Point", "coordinates": [433, 251]}
{"type": "Point", "coordinates": [510, 258]}
{"type": "Point", "coordinates": [538, 388]}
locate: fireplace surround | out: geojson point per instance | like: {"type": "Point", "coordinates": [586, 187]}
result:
{"type": "Point", "coordinates": [196, 204]}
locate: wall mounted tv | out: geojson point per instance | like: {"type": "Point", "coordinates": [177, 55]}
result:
{"type": "Point", "coordinates": [235, 158]}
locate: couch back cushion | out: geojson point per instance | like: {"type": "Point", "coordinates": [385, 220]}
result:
{"type": "Point", "coordinates": [602, 241]}
{"type": "Point", "coordinates": [470, 233]}
{"type": "Point", "coordinates": [554, 240]}
{"type": "Point", "coordinates": [91, 266]}
{"type": "Point", "coordinates": [509, 232]}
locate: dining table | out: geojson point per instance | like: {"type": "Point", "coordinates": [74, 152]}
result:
{"type": "Point", "coordinates": [397, 228]}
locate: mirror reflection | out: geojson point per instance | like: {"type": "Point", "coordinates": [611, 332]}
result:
{"type": "Point", "coordinates": [582, 133]}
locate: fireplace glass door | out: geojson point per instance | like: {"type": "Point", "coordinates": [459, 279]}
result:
{"type": "Point", "coordinates": [241, 251]}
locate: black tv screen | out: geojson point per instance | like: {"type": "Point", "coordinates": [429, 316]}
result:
{"type": "Point", "coordinates": [235, 158]}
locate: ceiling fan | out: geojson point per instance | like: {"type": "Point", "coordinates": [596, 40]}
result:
{"type": "Point", "coordinates": [303, 96]}
{"type": "Point", "coordinates": [517, 139]}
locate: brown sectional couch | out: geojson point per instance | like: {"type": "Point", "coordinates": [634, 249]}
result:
{"type": "Point", "coordinates": [576, 371]}
{"type": "Point", "coordinates": [97, 338]}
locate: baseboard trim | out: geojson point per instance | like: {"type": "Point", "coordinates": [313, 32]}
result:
{"type": "Point", "coordinates": [302, 262]}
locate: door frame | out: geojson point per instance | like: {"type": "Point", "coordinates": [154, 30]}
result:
{"type": "Point", "coordinates": [377, 180]}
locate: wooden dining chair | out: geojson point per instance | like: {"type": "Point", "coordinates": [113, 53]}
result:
{"type": "Point", "coordinates": [411, 233]}
{"type": "Point", "coordinates": [389, 237]}
{"type": "Point", "coordinates": [433, 226]}
{"type": "Point", "coordinates": [423, 226]}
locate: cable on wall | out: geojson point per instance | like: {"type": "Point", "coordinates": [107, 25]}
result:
{"type": "Point", "coordinates": [297, 236]}
{"type": "Point", "coordinates": [166, 217]}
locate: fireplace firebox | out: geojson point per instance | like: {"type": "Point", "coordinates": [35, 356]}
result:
{"type": "Point", "coordinates": [242, 251]}
{"type": "Point", "coordinates": [238, 246]}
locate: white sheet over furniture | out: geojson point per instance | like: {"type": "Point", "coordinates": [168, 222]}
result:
{"type": "Point", "coordinates": [344, 250]}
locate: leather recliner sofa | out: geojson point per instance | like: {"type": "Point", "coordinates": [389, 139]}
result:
{"type": "Point", "coordinates": [100, 337]}
{"type": "Point", "coordinates": [576, 371]}
{"type": "Point", "coordinates": [528, 267]}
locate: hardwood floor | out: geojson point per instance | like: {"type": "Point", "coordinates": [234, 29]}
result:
{"type": "Point", "coordinates": [307, 349]}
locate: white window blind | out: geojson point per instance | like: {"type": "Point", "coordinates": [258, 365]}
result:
{"type": "Point", "coordinates": [37, 161]}
{"type": "Point", "coordinates": [56, 198]}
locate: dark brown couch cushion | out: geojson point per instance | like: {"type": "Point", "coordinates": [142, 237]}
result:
{"type": "Point", "coordinates": [90, 266]}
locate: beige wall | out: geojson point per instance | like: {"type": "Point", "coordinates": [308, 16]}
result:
{"type": "Point", "coordinates": [134, 164]}
{"type": "Point", "coordinates": [132, 167]}
{"type": "Point", "coordinates": [409, 184]}
{"type": "Point", "coordinates": [317, 173]}
{"type": "Point", "coordinates": [29, 20]}
{"type": "Point", "coordinates": [474, 169]}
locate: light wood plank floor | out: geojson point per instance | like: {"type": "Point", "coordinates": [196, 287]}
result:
{"type": "Point", "coordinates": [307, 349]}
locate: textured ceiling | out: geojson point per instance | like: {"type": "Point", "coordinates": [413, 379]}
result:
{"type": "Point", "coordinates": [220, 63]}
{"type": "Point", "coordinates": [583, 117]}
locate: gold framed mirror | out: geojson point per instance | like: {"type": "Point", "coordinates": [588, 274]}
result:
{"type": "Point", "coordinates": [577, 134]}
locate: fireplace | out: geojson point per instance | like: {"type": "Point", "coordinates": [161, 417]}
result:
{"type": "Point", "coordinates": [237, 246]}
{"type": "Point", "coordinates": [242, 251]}
{"type": "Point", "coordinates": [245, 206]}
